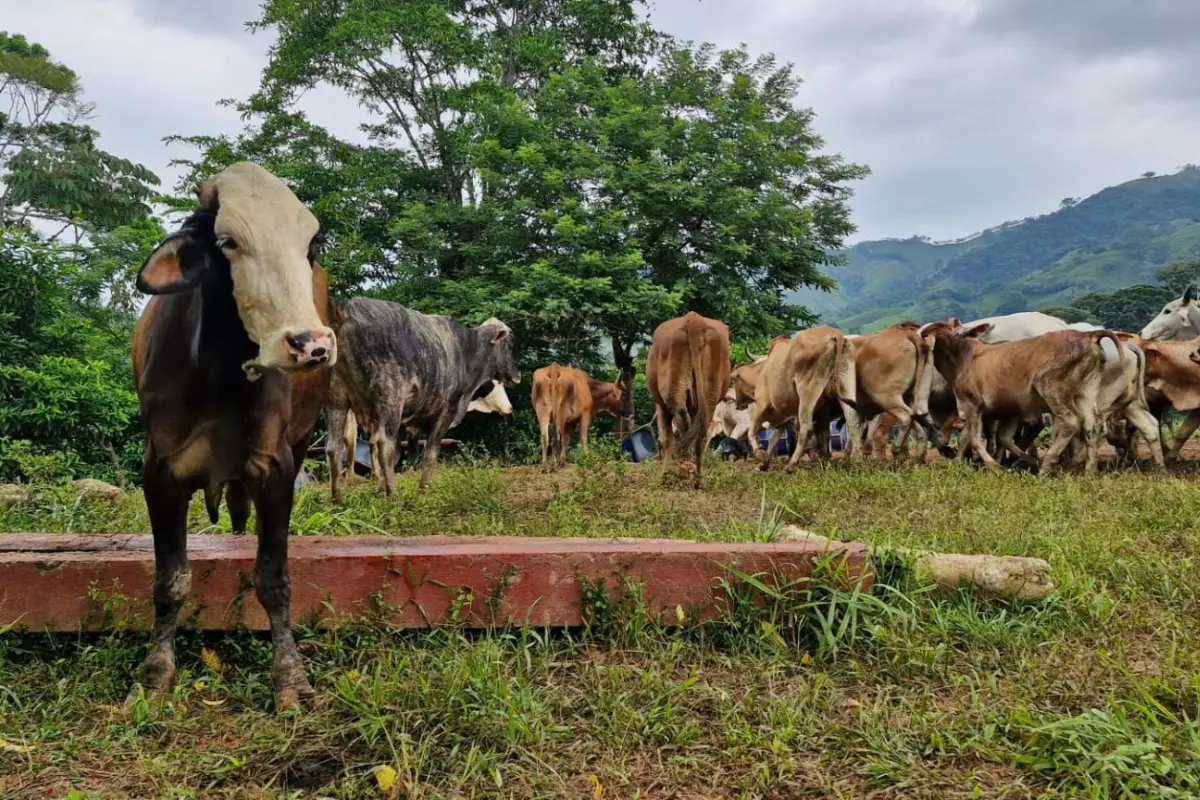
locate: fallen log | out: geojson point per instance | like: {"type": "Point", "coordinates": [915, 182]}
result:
{"type": "Point", "coordinates": [1015, 577]}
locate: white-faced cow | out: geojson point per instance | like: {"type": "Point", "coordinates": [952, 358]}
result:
{"type": "Point", "coordinates": [230, 359]}
{"type": "Point", "coordinates": [400, 367]}
{"type": "Point", "coordinates": [1178, 321]}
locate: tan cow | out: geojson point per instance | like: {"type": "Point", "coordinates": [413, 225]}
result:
{"type": "Point", "coordinates": [789, 382]}
{"type": "Point", "coordinates": [687, 371]}
{"type": "Point", "coordinates": [567, 396]}
{"type": "Point", "coordinates": [1173, 373]}
{"type": "Point", "coordinates": [889, 366]}
{"type": "Point", "coordinates": [1057, 373]}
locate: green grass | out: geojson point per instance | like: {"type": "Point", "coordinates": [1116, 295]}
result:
{"type": "Point", "coordinates": [1091, 693]}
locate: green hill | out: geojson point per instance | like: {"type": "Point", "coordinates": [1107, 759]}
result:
{"type": "Point", "coordinates": [1114, 238]}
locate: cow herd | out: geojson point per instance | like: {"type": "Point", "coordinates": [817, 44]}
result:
{"type": "Point", "coordinates": [240, 348]}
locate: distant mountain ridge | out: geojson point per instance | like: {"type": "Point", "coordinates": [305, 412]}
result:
{"type": "Point", "coordinates": [1116, 237]}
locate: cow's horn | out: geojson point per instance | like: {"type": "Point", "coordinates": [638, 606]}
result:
{"type": "Point", "coordinates": [1189, 294]}
{"type": "Point", "coordinates": [752, 356]}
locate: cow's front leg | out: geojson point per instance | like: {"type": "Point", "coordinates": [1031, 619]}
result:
{"type": "Point", "coordinates": [273, 502]}
{"type": "Point", "coordinates": [166, 502]}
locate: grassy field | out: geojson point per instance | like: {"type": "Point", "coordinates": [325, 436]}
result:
{"type": "Point", "coordinates": [1091, 693]}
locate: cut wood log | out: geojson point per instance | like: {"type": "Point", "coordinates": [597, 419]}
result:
{"type": "Point", "coordinates": [1015, 577]}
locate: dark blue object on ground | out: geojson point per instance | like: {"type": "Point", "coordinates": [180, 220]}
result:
{"type": "Point", "coordinates": [640, 445]}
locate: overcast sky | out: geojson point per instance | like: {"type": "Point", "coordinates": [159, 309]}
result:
{"type": "Point", "coordinates": [969, 112]}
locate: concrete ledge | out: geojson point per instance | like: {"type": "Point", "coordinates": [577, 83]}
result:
{"type": "Point", "coordinates": [51, 582]}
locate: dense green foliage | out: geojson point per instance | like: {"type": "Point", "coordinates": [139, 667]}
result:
{"type": "Point", "coordinates": [558, 164]}
{"type": "Point", "coordinates": [74, 220]}
{"type": "Point", "coordinates": [1115, 238]}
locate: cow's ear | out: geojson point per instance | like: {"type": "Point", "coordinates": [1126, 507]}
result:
{"type": "Point", "coordinates": [176, 265]}
{"type": "Point", "coordinates": [976, 331]}
{"type": "Point", "coordinates": [500, 334]}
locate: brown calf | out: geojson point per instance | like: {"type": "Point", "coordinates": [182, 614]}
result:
{"type": "Point", "coordinates": [1057, 373]}
{"type": "Point", "coordinates": [889, 366]}
{"type": "Point", "coordinates": [687, 370]}
{"type": "Point", "coordinates": [787, 384]}
{"type": "Point", "coordinates": [567, 396]}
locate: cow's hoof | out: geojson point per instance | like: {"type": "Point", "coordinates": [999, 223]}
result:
{"type": "Point", "coordinates": [291, 689]}
{"type": "Point", "coordinates": [790, 469]}
{"type": "Point", "coordinates": [947, 451]}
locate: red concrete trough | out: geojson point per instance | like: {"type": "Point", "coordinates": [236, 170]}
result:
{"type": "Point", "coordinates": [51, 582]}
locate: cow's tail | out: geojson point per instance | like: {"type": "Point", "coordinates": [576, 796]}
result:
{"type": "Point", "coordinates": [844, 373]}
{"type": "Point", "coordinates": [1098, 335]}
{"type": "Point", "coordinates": [922, 387]}
{"type": "Point", "coordinates": [693, 434]}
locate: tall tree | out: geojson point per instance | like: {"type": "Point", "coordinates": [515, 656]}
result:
{"type": "Point", "coordinates": [66, 302]}
{"type": "Point", "coordinates": [50, 167]}
{"type": "Point", "coordinates": [556, 162]}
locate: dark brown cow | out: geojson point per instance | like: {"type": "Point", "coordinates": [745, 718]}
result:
{"type": "Point", "coordinates": [687, 371]}
{"type": "Point", "coordinates": [568, 396]}
{"type": "Point", "coordinates": [229, 359]}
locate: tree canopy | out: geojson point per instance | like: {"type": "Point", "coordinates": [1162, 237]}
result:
{"type": "Point", "coordinates": [67, 405]}
{"type": "Point", "coordinates": [558, 164]}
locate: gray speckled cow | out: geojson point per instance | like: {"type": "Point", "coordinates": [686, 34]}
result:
{"type": "Point", "coordinates": [401, 368]}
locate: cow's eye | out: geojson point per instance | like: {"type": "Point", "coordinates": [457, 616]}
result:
{"type": "Point", "coordinates": [1166, 311]}
{"type": "Point", "coordinates": [226, 244]}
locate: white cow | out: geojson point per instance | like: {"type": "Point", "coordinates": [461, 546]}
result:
{"type": "Point", "coordinates": [1021, 325]}
{"type": "Point", "coordinates": [1179, 320]}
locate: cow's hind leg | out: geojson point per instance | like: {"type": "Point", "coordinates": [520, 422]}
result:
{"type": "Point", "coordinates": [564, 440]}
{"type": "Point", "coordinates": [238, 501]}
{"type": "Point", "coordinates": [1141, 420]}
{"type": "Point", "coordinates": [1181, 437]}
{"type": "Point", "coordinates": [166, 502]}
{"type": "Point", "coordinates": [544, 429]}
{"type": "Point", "coordinates": [335, 444]}
{"type": "Point", "coordinates": [904, 419]}
{"type": "Point", "coordinates": [666, 436]}
{"type": "Point", "coordinates": [433, 446]}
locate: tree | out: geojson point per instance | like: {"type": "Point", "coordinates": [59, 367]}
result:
{"type": "Point", "coordinates": [557, 164]}
{"type": "Point", "coordinates": [50, 167]}
{"type": "Point", "coordinates": [1066, 202]}
{"type": "Point", "coordinates": [1127, 309]}
{"type": "Point", "coordinates": [1149, 173]}
{"type": "Point", "coordinates": [1071, 314]}
{"type": "Point", "coordinates": [1179, 275]}
{"type": "Point", "coordinates": [66, 306]}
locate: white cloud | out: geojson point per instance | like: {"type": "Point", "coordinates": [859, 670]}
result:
{"type": "Point", "coordinates": [968, 112]}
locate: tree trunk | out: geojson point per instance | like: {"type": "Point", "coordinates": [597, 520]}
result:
{"type": "Point", "coordinates": [623, 357]}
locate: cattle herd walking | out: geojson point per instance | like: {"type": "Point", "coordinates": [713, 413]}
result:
{"type": "Point", "coordinates": [240, 347]}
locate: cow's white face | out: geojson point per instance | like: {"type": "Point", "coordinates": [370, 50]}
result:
{"type": "Point", "coordinates": [1177, 321]}
{"type": "Point", "coordinates": [494, 402]}
{"type": "Point", "coordinates": [268, 237]}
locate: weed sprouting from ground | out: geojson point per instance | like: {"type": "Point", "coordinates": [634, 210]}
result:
{"type": "Point", "coordinates": [799, 689]}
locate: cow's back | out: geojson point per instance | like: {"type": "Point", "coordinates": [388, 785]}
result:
{"type": "Point", "coordinates": [389, 352]}
{"type": "Point", "coordinates": [561, 393]}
